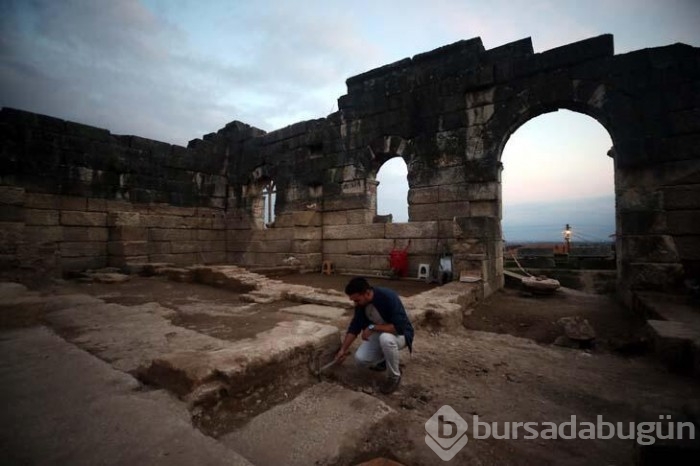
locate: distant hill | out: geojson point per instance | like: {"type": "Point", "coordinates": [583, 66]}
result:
{"type": "Point", "coordinates": [592, 219]}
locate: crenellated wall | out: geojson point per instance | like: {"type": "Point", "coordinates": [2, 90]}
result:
{"type": "Point", "coordinates": [75, 196]}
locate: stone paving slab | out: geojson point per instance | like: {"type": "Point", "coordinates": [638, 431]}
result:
{"type": "Point", "coordinates": [63, 406]}
{"type": "Point", "coordinates": [273, 356]}
{"type": "Point", "coordinates": [125, 336]}
{"type": "Point", "coordinates": [317, 311]}
{"type": "Point", "coordinates": [313, 428]}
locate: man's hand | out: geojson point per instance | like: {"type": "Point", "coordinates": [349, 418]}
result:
{"type": "Point", "coordinates": [341, 355]}
{"type": "Point", "coordinates": [366, 333]}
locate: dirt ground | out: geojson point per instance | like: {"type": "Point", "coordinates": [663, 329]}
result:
{"type": "Point", "coordinates": [501, 367]}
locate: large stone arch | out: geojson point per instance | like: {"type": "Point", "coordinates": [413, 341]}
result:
{"type": "Point", "coordinates": [447, 112]}
{"type": "Point", "coordinates": [459, 105]}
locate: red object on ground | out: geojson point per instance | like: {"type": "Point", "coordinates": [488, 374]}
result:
{"type": "Point", "coordinates": [398, 261]}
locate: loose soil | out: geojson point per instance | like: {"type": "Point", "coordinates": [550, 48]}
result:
{"type": "Point", "coordinates": [501, 367]}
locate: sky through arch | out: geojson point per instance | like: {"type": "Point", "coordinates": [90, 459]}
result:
{"type": "Point", "coordinates": [556, 171]}
{"type": "Point", "coordinates": [392, 192]}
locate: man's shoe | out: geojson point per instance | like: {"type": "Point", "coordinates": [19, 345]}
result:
{"type": "Point", "coordinates": [380, 367]}
{"type": "Point", "coordinates": [391, 384]}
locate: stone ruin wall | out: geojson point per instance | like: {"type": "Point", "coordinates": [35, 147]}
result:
{"type": "Point", "coordinates": [76, 197]}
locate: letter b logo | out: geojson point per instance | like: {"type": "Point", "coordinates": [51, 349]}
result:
{"type": "Point", "coordinates": [446, 433]}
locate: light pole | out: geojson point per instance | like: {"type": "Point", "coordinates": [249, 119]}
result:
{"type": "Point", "coordinates": [567, 238]}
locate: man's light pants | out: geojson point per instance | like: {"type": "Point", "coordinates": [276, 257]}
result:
{"type": "Point", "coordinates": [381, 347]}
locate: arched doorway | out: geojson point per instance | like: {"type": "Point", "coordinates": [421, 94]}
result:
{"type": "Point", "coordinates": [558, 191]}
{"type": "Point", "coordinates": [392, 190]}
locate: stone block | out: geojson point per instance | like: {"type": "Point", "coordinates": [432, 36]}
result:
{"type": "Point", "coordinates": [237, 222]}
{"type": "Point", "coordinates": [211, 235]}
{"type": "Point", "coordinates": [72, 203]}
{"type": "Point", "coordinates": [124, 219]}
{"type": "Point", "coordinates": [42, 234]}
{"type": "Point", "coordinates": [213, 257]}
{"type": "Point", "coordinates": [684, 222]}
{"type": "Point", "coordinates": [422, 212]}
{"type": "Point", "coordinates": [335, 218]}
{"type": "Point", "coordinates": [216, 246]}
{"type": "Point", "coordinates": [429, 195]}
{"type": "Point", "coordinates": [423, 246]}
{"type": "Point", "coordinates": [176, 259]}
{"type": "Point", "coordinates": [127, 248]}
{"type": "Point", "coordinates": [632, 199]}
{"type": "Point", "coordinates": [83, 249]}
{"type": "Point", "coordinates": [379, 263]}
{"type": "Point", "coordinates": [71, 234]}
{"type": "Point", "coordinates": [97, 205]}
{"type": "Point", "coordinates": [682, 197]}
{"type": "Point", "coordinates": [83, 263]}
{"type": "Point", "coordinates": [335, 247]}
{"type": "Point", "coordinates": [688, 248]}
{"type": "Point", "coordinates": [169, 210]}
{"type": "Point", "coordinates": [167, 221]}
{"type": "Point", "coordinates": [388, 218]}
{"type": "Point", "coordinates": [169, 234]}
{"type": "Point", "coordinates": [480, 98]}
{"type": "Point", "coordinates": [12, 213]}
{"type": "Point", "coordinates": [411, 230]}
{"type": "Point", "coordinates": [274, 234]}
{"type": "Point", "coordinates": [476, 227]}
{"type": "Point", "coordinates": [307, 218]}
{"type": "Point", "coordinates": [655, 277]}
{"type": "Point", "coordinates": [88, 219]}
{"type": "Point", "coordinates": [159, 247]}
{"type": "Point", "coordinates": [41, 201]}
{"type": "Point", "coordinates": [370, 246]}
{"type": "Point", "coordinates": [179, 247]}
{"type": "Point", "coordinates": [446, 229]}
{"type": "Point", "coordinates": [642, 222]}
{"type": "Point", "coordinates": [126, 261]}
{"type": "Point", "coordinates": [11, 195]}
{"type": "Point", "coordinates": [238, 246]}
{"type": "Point", "coordinates": [362, 216]}
{"type": "Point", "coordinates": [443, 176]}
{"type": "Point", "coordinates": [470, 192]}
{"type": "Point", "coordinates": [271, 246]}
{"type": "Point", "coordinates": [347, 261]}
{"type": "Point", "coordinates": [484, 209]}
{"type": "Point", "coordinates": [347, 202]}
{"type": "Point", "coordinates": [205, 222]}
{"type": "Point", "coordinates": [41, 217]}
{"type": "Point", "coordinates": [353, 231]}
{"type": "Point", "coordinates": [311, 233]}
{"type": "Point", "coordinates": [128, 234]}
{"type": "Point", "coordinates": [239, 235]}
{"type": "Point", "coordinates": [306, 246]}
{"type": "Point", "coordinates": [450, 210]}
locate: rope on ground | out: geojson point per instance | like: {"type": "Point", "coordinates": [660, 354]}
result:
{"type": "Point", "coordinates": [520, 266]}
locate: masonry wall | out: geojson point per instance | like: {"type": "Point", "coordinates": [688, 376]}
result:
{"type": "Point", "coordinates": [75, 196]}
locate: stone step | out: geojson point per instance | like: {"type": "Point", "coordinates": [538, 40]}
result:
{"type": "Point", "coordinates": [444, 306]}
{"type": "Point", "coordinates": [675, 329]}
{"type": "Point", "coordinates": [282, 355]}
{"type": "Point", "coordinates": [63, 406]}
{"type": "Point", "coordinates": [317, 427]}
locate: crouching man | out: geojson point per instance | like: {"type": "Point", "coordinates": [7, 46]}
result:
{"type": "Point", "coordinates": [382, 320]}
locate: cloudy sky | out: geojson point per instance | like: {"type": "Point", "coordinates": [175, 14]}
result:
{"type": "Point", "coordinates": [173, 70]}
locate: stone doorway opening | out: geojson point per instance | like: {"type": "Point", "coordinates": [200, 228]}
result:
{"type": "Point", "coordinates": [392, 190]}
{"type": "Point", "coordinates": [558, 200]}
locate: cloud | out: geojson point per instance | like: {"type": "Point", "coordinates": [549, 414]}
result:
{"type": "Point", "coordinates": [133, 70]}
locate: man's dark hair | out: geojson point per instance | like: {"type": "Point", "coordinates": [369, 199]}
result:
{"type": "Point", "coordinates": [357, 285]}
